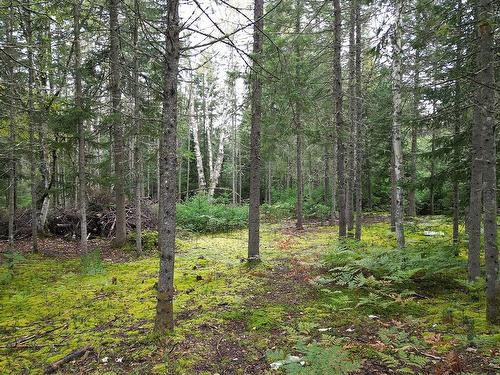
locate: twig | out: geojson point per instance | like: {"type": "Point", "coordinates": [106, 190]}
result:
{"type": "Point", "coordinates": [75, 354]}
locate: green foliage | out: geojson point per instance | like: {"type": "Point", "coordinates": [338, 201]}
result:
{"type": "Point", "coordinates": [149, 240]}
{"type": "Point", "coordinates": [202, 215]}
{"type": "Point", "coordinates": [326, 357]}
{"type": "Point", "coordinates": [11, 260]}
{"type": "Point", "coordinates": [285, 202]}
{"type": "Point", "coordinates": [91, 263]}
{"type": "Point", "coordinates": [400, 353]}
{"type": "Point", "coordinates": [378, 267]}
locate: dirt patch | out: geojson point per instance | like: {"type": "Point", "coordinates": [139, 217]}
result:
{"type": "Point", "coordinates": [59, 248]}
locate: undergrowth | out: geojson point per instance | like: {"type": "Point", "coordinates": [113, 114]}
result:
{"type": "Point", "coordinates": [204, 215]}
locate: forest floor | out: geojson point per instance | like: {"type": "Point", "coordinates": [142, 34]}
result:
{"type": "Point", "coordinates": [233, 318]}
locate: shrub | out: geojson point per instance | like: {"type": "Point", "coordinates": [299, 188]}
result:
{"type": "Point", "coordinates": [415, 264]}
{"type": "Point", "coordinates": [202, 215]}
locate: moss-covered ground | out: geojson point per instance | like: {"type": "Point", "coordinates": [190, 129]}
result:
{"type": "Point", "coordinates": [233, 318]}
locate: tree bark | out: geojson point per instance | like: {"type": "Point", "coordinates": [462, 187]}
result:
{"type": "Point", "coordinates": [432, 180]}
{"type": "Point", "coordinates": [202, 185]}
{"type": "Point", "coordinates": [396, 127]}
{"type": "Point", "coordinates": [32, 129]}
{"type": "Point", "coordinates": [412, 206]}
{"type": "Point", "coordinates": [12, 131]}
{"type": "Point", "coordinates": [217, 168]}
{"type": "Point", "coordinates": [487, 124]}
{"type": "Point", "coordinates": [253, 217]}
{"type": "Point", "coordinates": [117, 126]}
{"type": "Point", "coordinates": [352, 121]}
{"type": "Point", "coordinates": [298, 124]}
{"type": "Point", "coordinates": [82, 183]}
{"type": "Point", "coordinates": [164, 320]}
{"type": "Point", "coordinates": [359, 126]}
{"type": "Point", "coordinates": [456, 128]}
{"type": "Point", "coordinates": [138, 132]}
{"type": "Point", "coordinates": [339, 121]}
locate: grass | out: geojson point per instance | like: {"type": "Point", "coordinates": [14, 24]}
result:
{"type": "Point", "coordinates": [230, 319]}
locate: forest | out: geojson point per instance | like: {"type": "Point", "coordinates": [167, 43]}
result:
{"type": "Point", "coordinates": [249, 187]}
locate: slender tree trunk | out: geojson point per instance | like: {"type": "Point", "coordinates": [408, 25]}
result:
{"type": "Point", "coordinates": [253, 217]}
{"type": "Point", "coordinates": [82, 187]}
{"type": "Point", "coordinates": [487, 124]}
{"type": "Point", "coordinates": [333, 213]}
{"type": "Point", "coordinates": [202, 185]}
{"type": "Point", "coordinates": [339, 121]}
{"type": "Point", "coordinates": [117, 126]}
{"type": "Point", "coordinates": [369, 200]}
{"type": "Point", "coordinates": [217, 168]}
{"type": "Point", "coordinates": [456, 129]}
{"type": "Point", "coordinates": [298, 125]}
{"type": "Point", "coordinates": [359, 126]}
{"type": "Point", "coordinates": [32, 130]}
{"type": "Point", "coordinates": [234, 151]}
{"type": "Point", "coordinates": [412, 206]}
{"type": "Point", "coordinates": [208, 137]}
{"type": "Point", "coordinates": [396, 127]}
{"type": "Point", "coordinates": [352, 121]}
{"type": "Point", "coordinates": [12, 131]}
{"type": "Point", "coordinates": [164, 320]}
{"type": "Point", "coordinates": [433, 173]}
{"type": "Point", "coordinates": [326, 176]}
{"type": "Point", "coordinates": [190, 115]}
{"type": "Point", "coordinates": [138, 132]}
{"type": "Point", "coordinates": [393, 194]}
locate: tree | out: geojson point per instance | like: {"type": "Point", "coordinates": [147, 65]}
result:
{"type": "Point", "coordinates": [164, 320]}
{"type": "Point", "coordinates": [298, 122]}
{"type": "Point", "coordinates": [339, 121]}
{"type": "Point", "coordinates": [359, 125]}
{"type": "Point", "coordinates": [12, 131]}
{"type": "Point", "coordinates": [396, 127]}
{"type": "Point", "coordinates": [253, 215]}
{"type": "Point", "coordinates": [28, 31]}
{"type": "Point", "coordinates": [138, 131]}
{"type": "Point", "coordinates": [81, 130]}
{"type": "Point", "coordinates": [117, 126]}
{"type": "Point", "coordinates": [486, 126]}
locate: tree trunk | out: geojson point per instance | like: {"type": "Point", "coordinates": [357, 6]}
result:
{"type": "Point", "coordinates": [396, 128]}
{"type": "Point", "coordinates": [117, 126]}
{"type": "Point", "coordinates": [298, 125]}
{"type": "Point", "coordinates": [487, 107]}
{"type": "Point", "coordinates": [412, 206]}
{"type": "Point", "coordinates": [82, 183]}
{"type": "Point", "coordinates": [12, 131]}
{"type": "Point", "coordinates": [393, 193]}
{"type": "Point", "coordinates": [326, 176]}
{"type": "Point", "coordinates": [217, 168]}
{"type": "Point", "coordinates": [352, 121]}
{"type": "Point", "coordinates": [253, 217]}
{"type": "Point", "coordinates": [337, 90]}
{"type": "Point", "coordinates": [456, 129]}
{"type": "Point", "coordinates": [164, 320]}
{"type": "Point", "coordinates": [32, 130]}
{"type": "Point", "coordinates": [202, 185]}
{"type": "Point", "coordinates": [138, 132]}
{"type": "Point", "coordinates": [433, 173]}
{"type": "Point", "coordinates": [359, 126]}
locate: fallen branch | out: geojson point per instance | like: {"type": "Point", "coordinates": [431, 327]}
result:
{"type": "Point", "coordinates": [75, 354]}
{"type": "Point", "coordinates": [23, 340]}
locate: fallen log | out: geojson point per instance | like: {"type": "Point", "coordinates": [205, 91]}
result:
{"type": "Point", "coordinates": [75, 354]}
